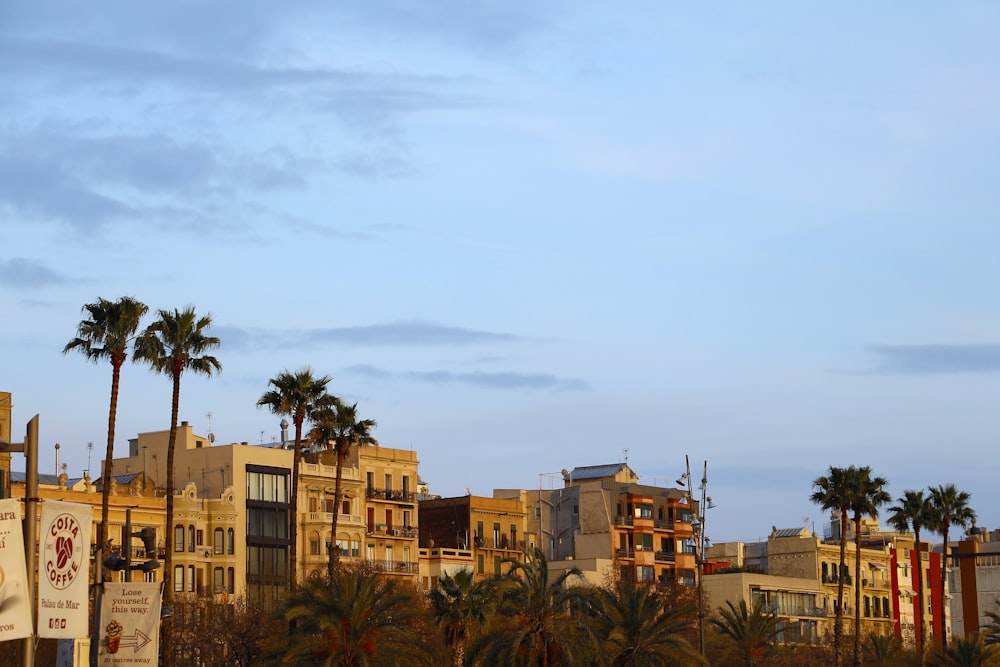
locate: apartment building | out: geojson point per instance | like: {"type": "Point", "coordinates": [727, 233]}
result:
{"type": "Point", "coordinates": [974, 581]}
{"type": "Point", "coordinates": [602, 514]}
{"type": "Point", "coordinates": [489, 529]}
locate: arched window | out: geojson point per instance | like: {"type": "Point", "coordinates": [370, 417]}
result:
{"type": "Point", "coordinates": [218, 541]}
{"type": "Point", "coordinates": [231, 543]}
{"type": "Point", "coordinates": [179, 539]}
{"type": "Point", "coordinates": [190, 538]}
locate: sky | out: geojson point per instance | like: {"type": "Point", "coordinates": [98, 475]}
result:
{"type": "Point", "coordinates": [524, 236]}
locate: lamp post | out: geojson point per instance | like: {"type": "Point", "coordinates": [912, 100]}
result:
{"type": "Point", "coordinates": [30, 449]}
{"type": "Point", "coordinates": [698, 533]}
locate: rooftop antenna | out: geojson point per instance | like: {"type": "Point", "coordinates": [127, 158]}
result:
{"type": "Point", "coordinates": [626, 455]}
{"type": "Point", "coordinates": [57, 458]}
{"type": "Point", "coordinates": [211, 436]}
{"type": "Point", "coordinates": [90, 450]}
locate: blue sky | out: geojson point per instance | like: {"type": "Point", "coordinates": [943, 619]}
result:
{"type": "Point", "coordinates": [525, 237]}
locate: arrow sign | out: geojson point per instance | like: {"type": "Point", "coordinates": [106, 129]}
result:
{"type": "Point", "coordinates": [138, 640]}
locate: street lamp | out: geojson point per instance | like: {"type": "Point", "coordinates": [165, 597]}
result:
{"type": "Point", "coordinates": [698, 530]}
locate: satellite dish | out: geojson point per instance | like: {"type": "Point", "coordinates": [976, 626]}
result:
{"type": "Point", "coordinates": [211, 437]}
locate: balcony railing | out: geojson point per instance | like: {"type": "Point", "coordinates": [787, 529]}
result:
{"type": "Point", "coordinates": [624, 521]}
{"type": "Point", "coordinates": [393, 566]}
{"type": "Point", "coordinates": [666, 556]}
{"type": "Point", "coordinates": [625, 553]}
{"type": "Point", "coordinates": [397, 495]}
{"type": "Point", "coordinates": [391, 531]}
{"type": "Point", "coordinates": [666, 524]}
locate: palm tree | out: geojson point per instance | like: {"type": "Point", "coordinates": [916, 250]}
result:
{"type": "Point", "coordinates": [460, 605]}
{"type": "Point", "coordinates": [533, 625]}
{"type": "Point", "coordinates": [914, 510]}
{"type": "Point", "coordinates": [868, 495]}
{"type": "Point", "coordinates": [992, 629]}
{"type": "Point", "coordinates": [950, 507]}
{"type": "Point", "coordinates": [833, 492]}
{"type": "Point", "coordinates": [338, 422]}
{"type": "Point", "coordinates": [636, 626]}
{"type": "Point", "coordinates": [750, 630]}
{"type": "Point", "coordinates": [968, 651]}
{"type": "Point", "coordinates": [177, 341]}
{"type": "Point", "coordinates": [883, 649]}
{"type": "Point", "coordinates": [297, 395]}
{"type": "Point", "coordinates": [107, 334]}
{"type": "Point", "coordinates": [356, 618]}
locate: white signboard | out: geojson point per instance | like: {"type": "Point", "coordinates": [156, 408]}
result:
{"type": "Point", "coordinates": [130, 624]}
{"type": "Point", "coordinates": [15, 612]}
{"type": "Point", "coordinates": [63, 567]}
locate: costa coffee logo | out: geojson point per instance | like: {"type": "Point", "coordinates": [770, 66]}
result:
{"type": "Point", "coordinates": [63, 551]}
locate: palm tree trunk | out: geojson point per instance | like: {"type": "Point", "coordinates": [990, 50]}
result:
{"type": "Point", "coordinates": [944, 575]}
{"type": "Point", "coordinates": [293, 519]}
{"type": "Point", "coordinates": [857, 590]}
{"type": "Point", "coordinates": [116, 367]}
{"type": "Point", "coordinates": [920, 595]}
{"type": "Point", "coordinates": [838, 621]}
{"type": "Point", "coordinates": [168, 573]}
{"type": "Point", "coordinates": [334, 549]}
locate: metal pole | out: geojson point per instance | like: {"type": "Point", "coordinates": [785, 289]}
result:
{"type": "Point", "coordinates": [31, 529]}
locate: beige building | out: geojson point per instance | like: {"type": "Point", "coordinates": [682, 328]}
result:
{"type": "Point", "coordinates": [797, 603]}
{"type": "Point", "coordinates": [809, 566]}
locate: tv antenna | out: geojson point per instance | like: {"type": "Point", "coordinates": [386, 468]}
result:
{"type": "Point", "coordinates": [90, 450]}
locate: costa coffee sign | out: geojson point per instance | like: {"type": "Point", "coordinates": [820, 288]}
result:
{"type": "Point", "coordinates": [63, 551]}
{"type": "Point", "coordinates": [63, 564]}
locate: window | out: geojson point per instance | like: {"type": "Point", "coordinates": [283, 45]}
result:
{"type": "Point", "coordinates": [343, 546]}
{"type": "Point", "coordinates": [218, 541]}
{"type": "Point", "coordinates": [179, 538]}
{"type": "Point", "coordinates": [231, 543]}
{"type": "Point", "coordinates": [232, 580]}
{"type": "Point", "coordinates": [388, 554]}
{"type": "Point", "coordinates": [645, 573]}
{"type": "Point", "coordinates": [200, 537]}
{"type": "Point", "coordinates": [388, 519]}
{"type": "Point", "coordinates": [496, 534]}
{"type": "Point", "coordinates": [480, 564]}
{"type": "Point", "coordinates": [644, 511]}
{"type": "Point", "coordinates": [190, 579]}
{"type": "Point", "coordinates": [346, 509]}
{"type": "Point", "coordinates": [388, 481]}
{"type": "Point", "coordinates": [576, 510]}
{"type": "Point", "coordinates": [267, 486]}
{"type": "Point", "coordinates": [496, 566]}
{"type": "Point", "coordinates": [406, 487]}
{"type": "Point", "coordinates": [370, 480]}
{"type": "Point", "coordinates": [644, 542]}
{"type": "Point", "coordinates": [219, 580]}
{"type": "Point", "coordinates": [406, 518]}
{"type": "Point", "coordinates": [179, 576]}
{"type": "Point", "coordinates": [314, 543]}
{"type": "Point", "coordinates": [267, 522]}
{"type": "Point", "coordinates": [190, 538]}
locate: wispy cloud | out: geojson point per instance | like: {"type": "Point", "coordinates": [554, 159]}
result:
{"type": "Point", "coordinates": [936, 359]}
{"type": "Point", "coordinates": [402, 334]}
{"type": "Point", "coordinates": [21, 273]}
{"type": "Point", "coordinates": [505, 380]}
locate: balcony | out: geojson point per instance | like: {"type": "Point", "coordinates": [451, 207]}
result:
{"type": "Point", "coordinates": [503, 542]}
{"type": "Point", "coordinates": [665, 556]}
{"type": "Point", "coordinates": [397, 566]}
{"type": "Point", "coordinates": [663, 524]}
{"type": "Point", "coordinates": [624, 521]}
{"type": "Point", "coordinates": [625, 553]}
{"type": "Point", "coordinates": [395, 495]}
{"type": "Point", "coordinates": [391, 531]}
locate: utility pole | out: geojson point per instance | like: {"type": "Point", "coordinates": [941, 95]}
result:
{"type": "Point", "coordinates": [30, 449]}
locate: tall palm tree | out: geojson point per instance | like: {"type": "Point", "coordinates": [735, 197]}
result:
{"type": "Point", "coordinates": [914, 510]}
{"type": "Point", "coordinates": [533, 625]}
{"type": "Point", "coordinates": [950, 507]}
{"type": "Point", "coordinates": [107, 334]}
{"type": "Point", "coordinates": [833, 492]}
{"type": "Point", "coordinates": [356, 618]}
{"type": "Point", "coordinates": [751, 630]}
{"type": "Point", "coordinates": [177, 341]}
{"type": "Point", "coordinates": [338, 423]}
{"type": "Point", "coordinates": [461, 605]}
{"type": "Point", "coordinates": [297, 395]}
{"type": "Point", "coordinates": [868, 495]}
{"type": "Point", "coordinates": [636, 626]}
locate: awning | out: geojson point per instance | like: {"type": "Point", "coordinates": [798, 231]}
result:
{"type": "Point", "coordinates": [878, 566]}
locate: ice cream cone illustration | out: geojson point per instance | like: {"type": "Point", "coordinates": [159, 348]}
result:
{"type": "Point", "coordinates": [114, 630]}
